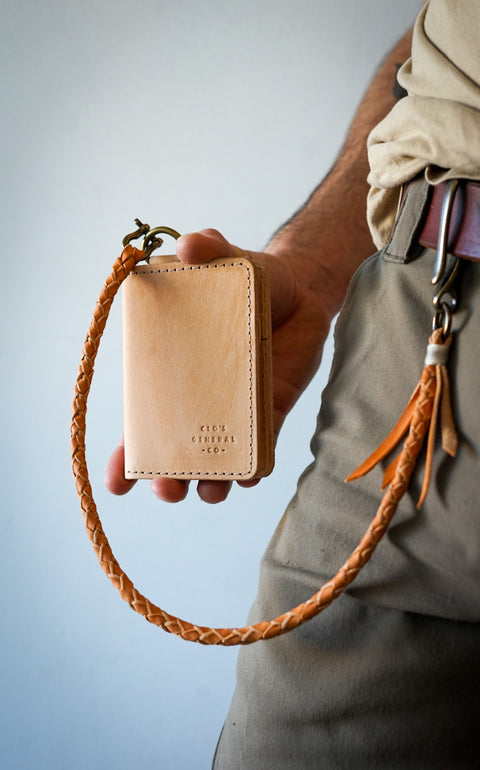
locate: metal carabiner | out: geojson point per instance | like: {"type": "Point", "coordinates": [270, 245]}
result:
{"type": "Point", "coordinates": [446, 268]}
{"type": "Point", "coordinates": [445, 293]}
{"type": "Point", "coordinates": [442, 243]}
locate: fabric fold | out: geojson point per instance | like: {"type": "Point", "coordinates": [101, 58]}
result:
{"type": "Point", "coordinates": [435, 129]}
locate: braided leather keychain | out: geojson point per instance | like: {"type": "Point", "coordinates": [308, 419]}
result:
{"type": "Point", "coordinates": [415, 422]}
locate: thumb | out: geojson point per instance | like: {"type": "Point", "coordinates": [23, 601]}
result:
{"type": "Point", "coordinates": [197, 248]}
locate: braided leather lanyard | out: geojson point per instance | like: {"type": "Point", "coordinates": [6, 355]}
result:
{"type": "Point", "coordinates": [414, 422]}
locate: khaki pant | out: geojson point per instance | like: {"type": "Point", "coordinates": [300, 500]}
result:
{"type": "Point", "coordinates": [389, 675]}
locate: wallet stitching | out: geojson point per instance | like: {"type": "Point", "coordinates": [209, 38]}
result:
{"type": "Point", "coordinates": [267, 414]}
{"type": "Point", "coordinates": [262, 356]}
{"type": "Point", "coordinates": [183, 268]}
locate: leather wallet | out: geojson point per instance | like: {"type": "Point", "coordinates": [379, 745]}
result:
{"type": "Point", "coordinates": [197, 370]}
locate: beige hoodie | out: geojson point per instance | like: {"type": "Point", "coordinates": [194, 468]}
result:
{"type": "Point", "coordinates": [436, 127]}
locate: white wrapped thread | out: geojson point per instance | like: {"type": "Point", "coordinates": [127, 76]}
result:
{"type": "Point", "coordinates": [436, 355]}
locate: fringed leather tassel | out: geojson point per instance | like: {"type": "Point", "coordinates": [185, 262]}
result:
{"type": "Point", "coordinates": [429, 401]}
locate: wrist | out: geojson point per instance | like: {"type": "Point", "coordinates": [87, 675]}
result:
{"type": "Point", "coordinates": [321, 269]}
{"type": "Point", "coordinates": [327, 240]}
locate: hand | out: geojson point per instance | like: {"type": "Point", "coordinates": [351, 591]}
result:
{"type": "Point", "coordinates": [300, 323]}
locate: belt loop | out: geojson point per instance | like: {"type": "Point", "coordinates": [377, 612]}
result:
{"type": "Point", "coordinates": [403, 241]}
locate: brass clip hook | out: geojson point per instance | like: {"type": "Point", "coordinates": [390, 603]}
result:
{"type": "Point", "coordinates": [142, 230]}
{"type": "Point", "coordinates": [151, 242]}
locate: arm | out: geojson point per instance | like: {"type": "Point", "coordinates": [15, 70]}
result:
{"type": "Point", "coordinates": [329, 234]}
{"type": "Point", "coordinates": [311, 260]}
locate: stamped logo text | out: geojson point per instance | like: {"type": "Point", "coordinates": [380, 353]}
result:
{"type": "Point", "coordinates": [214, 438]}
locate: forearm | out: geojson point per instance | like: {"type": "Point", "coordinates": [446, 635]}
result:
{"type": "Point", "coordinates": [328, 237]}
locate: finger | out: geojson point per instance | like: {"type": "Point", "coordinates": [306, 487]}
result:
{"type": "Point", "coordinates": [213, 491]}
{"type": "Point", "coordinates": [248, 484]}
{"type": "Point", "coordinates": [115, 480]}
{"type": "Point", "coordinates": [169, 490]}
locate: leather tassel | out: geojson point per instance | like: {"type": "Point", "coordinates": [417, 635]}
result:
{"type": "Point", "coordinates": [434, 403]}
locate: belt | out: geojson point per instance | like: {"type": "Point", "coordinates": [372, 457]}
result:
{"type": "Point", "coordinates": [464, 226]}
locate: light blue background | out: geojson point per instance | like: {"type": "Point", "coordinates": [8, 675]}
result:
{"type": "Point", "coordinates": [186, 113]}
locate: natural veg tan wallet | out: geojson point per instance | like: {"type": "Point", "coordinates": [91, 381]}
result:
{"type": "Point", "coordinates": [197, 370]}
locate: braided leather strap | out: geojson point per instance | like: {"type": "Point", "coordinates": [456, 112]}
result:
{"type": "Point", "coordinates": [266, 629]}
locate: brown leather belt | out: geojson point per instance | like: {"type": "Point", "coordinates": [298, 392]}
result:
{"type": "Point", "coordinates": [464, 228]}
